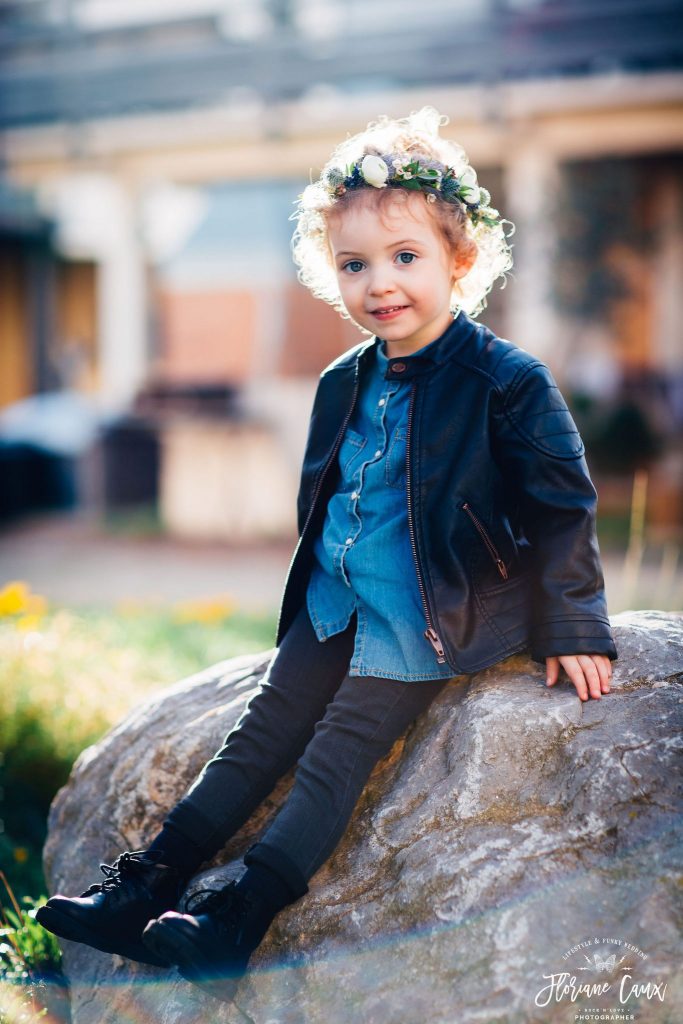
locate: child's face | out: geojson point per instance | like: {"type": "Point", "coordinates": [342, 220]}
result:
{"type": "Point", "coordinates": [394, 271]}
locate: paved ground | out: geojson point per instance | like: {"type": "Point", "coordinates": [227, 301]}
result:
{"type": "Point", "coordinates": [72, 560]}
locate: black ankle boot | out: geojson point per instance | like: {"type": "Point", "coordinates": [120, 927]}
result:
{"type": "Point", "coordinates": [212, 946]}
{"type": "Point", "coordinates": [111, 915]}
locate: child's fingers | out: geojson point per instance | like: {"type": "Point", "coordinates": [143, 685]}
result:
{"type": "Point", "coordinates": [584, 675]}
{"type": "Point", "coordinates": [604, 667]}
{"type": "Point", "coordinates": [575, 672]}
{"type": "Point", "coordinates": [591, 674]}
{"type": "Point", "coordinates": [552, 670]}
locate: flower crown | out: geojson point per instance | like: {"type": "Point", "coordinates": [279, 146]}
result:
{"type": "Point", "coordinates": [430, 177]}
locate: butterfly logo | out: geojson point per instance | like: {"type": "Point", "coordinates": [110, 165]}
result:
{"type": "Point", "coordinates": [600, 963]}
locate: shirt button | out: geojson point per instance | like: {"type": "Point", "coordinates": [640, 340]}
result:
{"type": "Point", "coordinates": [378, 453]}
{"type": "Point", "coordinates": [381, 401]}
{"type": "Point", "coordinates": [355, 494]}
{"type": "Point", "coordinates": [349, 540]}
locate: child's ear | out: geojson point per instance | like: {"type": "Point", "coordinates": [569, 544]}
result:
{"type": "Point", "coordinates": [464, 261]}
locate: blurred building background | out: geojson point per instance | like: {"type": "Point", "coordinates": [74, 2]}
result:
{"type": "Point", "coordinates": [156, 348]}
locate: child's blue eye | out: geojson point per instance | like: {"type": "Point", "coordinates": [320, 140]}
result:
{"type": "Point", "coordinates": [351, 264]}
{"type": "Point", "coordinates": [411, 256]}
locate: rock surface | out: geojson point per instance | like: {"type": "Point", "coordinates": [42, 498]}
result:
{"type": "Point", "coordinates": [510, 824]}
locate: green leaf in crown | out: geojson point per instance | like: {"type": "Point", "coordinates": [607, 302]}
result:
{"type": "Point", "coordinates": [397, 172]}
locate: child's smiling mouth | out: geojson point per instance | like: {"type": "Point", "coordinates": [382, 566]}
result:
{"type": "Point", "coordinates": [387, 311]}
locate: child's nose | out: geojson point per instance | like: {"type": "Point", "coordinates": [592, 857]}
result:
{"type": "Point", "coordinates": [381, 281]}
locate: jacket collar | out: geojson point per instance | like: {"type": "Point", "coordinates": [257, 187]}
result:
{"type": "Point", "coordinates": [427, 359]}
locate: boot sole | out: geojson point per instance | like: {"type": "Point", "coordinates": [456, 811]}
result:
{"type": "Point", "coordinates": [189, 961]}
{"type": "Point", "coordinates": [67, 927]}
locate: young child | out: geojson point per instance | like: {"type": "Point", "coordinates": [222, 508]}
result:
{"type": "Point", "coordinates": [446, 519]}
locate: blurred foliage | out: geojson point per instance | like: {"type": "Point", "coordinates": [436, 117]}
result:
{"type": "Point", "coordinates": [32, 985]}
{"type": "Point", "coordinates": [140, 521]}
{"type": "Point", "coordinates": [67, 677]}
{"type": "Point", "coordinates": [619, 437]}
{"type": "Point", "coordinates": [613, 531]}
{"type": "Point", "coordinates": [599, 203]}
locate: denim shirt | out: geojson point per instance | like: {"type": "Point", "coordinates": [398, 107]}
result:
{"type": "Point", "coordinates": [363, 554]}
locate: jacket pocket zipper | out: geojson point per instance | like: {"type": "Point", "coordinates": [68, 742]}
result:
{"type": "Point", "coordinates": [498, 561]}
{"type": "Point", "coordinates": [430, 633]}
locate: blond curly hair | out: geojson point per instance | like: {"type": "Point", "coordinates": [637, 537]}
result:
{"type": "Point", "coordinates": [415, 136]}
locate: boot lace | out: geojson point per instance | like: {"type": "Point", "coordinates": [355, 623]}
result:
{"type": "Point", "coordinates": [228, 904]}
{"type": "Point", "coordinates": [127, 864]}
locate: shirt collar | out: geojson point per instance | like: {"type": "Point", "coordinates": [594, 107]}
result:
{"type": "Point", "coordinates": [421, 361]}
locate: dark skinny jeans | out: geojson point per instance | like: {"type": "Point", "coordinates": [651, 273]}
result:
{"type": "Point", "coordinates": [307, 710]}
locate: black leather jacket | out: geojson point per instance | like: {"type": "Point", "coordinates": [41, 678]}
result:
{"type": "Point", "coordinates": [501, 507]}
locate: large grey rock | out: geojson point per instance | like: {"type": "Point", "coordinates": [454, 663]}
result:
{"type": "Point", "coordinates": [511, 824]}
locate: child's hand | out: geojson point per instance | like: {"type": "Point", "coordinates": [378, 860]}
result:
{"type": "Point", "coordinates": [590, 673]}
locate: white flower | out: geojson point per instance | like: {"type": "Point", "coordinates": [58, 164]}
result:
{"type": "Point", "coordinates": [374, 170]}
{"type": "Point", "coordinates": [470, 189]}
{"type": "Point", "coordinates": [472, 193]}
{"type": "Point", "coordinates": [468, 176]}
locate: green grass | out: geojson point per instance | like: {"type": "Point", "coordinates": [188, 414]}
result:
{"type": "Point", "coordinates": [32, 985]}
{"type": "Point", "coordinates": [137, 521]}
{"type": "Point", "coordinates": [613, 530]}
{"type": "Point", "coordinates": [67, 677]}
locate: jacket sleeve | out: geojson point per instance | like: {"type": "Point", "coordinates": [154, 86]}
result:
{"type": "Point", "coordinates": [307, 476]}
{"type": "Point", "coordinates": [541, 455]}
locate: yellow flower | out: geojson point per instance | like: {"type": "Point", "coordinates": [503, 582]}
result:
{"type": "Point", "coordinates": [17, 599]}
{"type": "Point", "coordinates": [209, 611]}
{"type": "Point", "coordinates": [28, 623]}
{"type": "Point", "coordinates": [13, 598]}
{"type": "Point", "coordinates": [20, 854]}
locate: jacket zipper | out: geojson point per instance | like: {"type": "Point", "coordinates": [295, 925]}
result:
{"type": "Point", "coordinates": [430, 633]}
{"type": "Point", "coordinates": [331, 457]}
{"type": "Point", "coordinates": [322, 475]}
{"type": "Point", "coordinates": [500, 564]}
